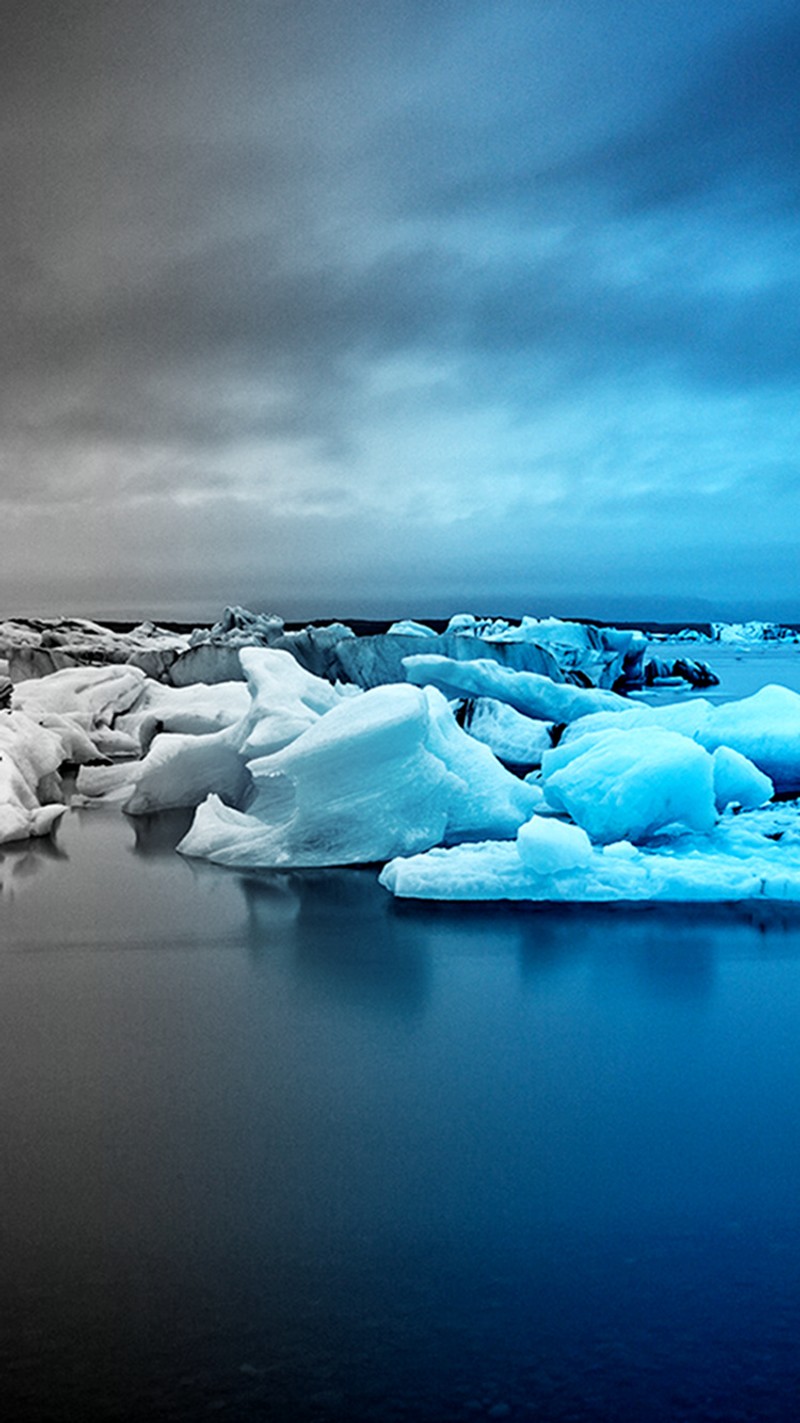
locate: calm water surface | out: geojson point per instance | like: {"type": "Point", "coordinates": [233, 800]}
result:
{"type": "Point", "coordinates": [277, 1147]}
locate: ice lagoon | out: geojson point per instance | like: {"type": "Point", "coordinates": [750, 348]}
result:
{"type": "Point", "coordinates": [278, 1145]}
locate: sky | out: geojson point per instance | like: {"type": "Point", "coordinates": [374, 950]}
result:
{"type": "Point", "coordinates": [400, 307]}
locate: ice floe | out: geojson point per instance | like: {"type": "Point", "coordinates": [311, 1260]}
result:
{"type": "Point", "coordinates": [765, 728]}
{"type": "Point", "coordinates": [531, 693]}
{"type": "Point", "coordinates": [278, 701]}
{"type": "Point", "coordinates": [750, 856]}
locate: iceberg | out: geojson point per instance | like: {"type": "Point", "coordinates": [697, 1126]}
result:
{"type": "Point", "coordinates": [752, 633]}
{"type": "Point", "coordinates": [190, 710]}
{"type": "Point", "coordinates": [755, 855]}
{"type": "Point", "coordinates": [384, 773]}
{"type": "Point", "coordinates": [37, 647]}
{"type": "Point", "coordinates": [515, 739]}
{"type": "Point", "coordinates": [31, 800]}
{"type": "Point", "coordinates": [379, 660]}
{"type": "Point", "coordinates": [549, 846]}
{"type": "Point", "coordinates": [211, 655]}
{"type": "Point", "coordinates": [765, 728]}
{"type": "Point", "coordinates": [685, 717]}
{"type": "Point", "coordinates": [284, 699]}
{"type": "Point", "coordinates": [626, 785]}
{"type": "Point", "coordinates": [276, 704]}
{"type": "Point", "coordinates": [738, 782]}
{"type": "Point", "coordinates": [532, 693]}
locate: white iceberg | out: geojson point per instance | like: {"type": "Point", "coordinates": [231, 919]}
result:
{"type": "Point", "coordinates": [30, 792]}
{"type": "Point", "coordinates": [278, 701]}
{"type": "Point", "coordinates": [285, 700]}
{"type": "Point", "coordinates": [685, 716]}
{"type": "Point", "coordinates": [191, 710]}
{"type": "Point", "coordinates": [738, 782]}
{"type": "Point", "coordinates": [384, 773]}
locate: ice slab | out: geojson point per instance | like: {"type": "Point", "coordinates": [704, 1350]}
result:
{"type": "Point", "coordinates": [278, 701]}
{"type": "Point", "coordinates": [765, 728]}
{"type": "Point", "coordinates": [738, 782]}
{"type": "Point", "coordinates": [531, 693]}
{"type": "Point", "coordinates": [549, 846]}
{"type": "Point", "coordinates": [30, 792]}
{"type": "Point", "coordinates": [515, 739]}
{"type": "Point", "coordinates": [754, 855]}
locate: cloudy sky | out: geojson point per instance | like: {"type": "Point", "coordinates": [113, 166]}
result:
{"type": "Point", "coordinates": [400, 306]}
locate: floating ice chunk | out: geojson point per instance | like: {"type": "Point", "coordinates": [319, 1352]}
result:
{"type": "Point", "coordinates": [359, 785]}
{"type": "Point", "coordinates": [408, 628]}
{"type": "Point", "coordinates": [192, 710]}
{"type": "Point", "coordinates": [626, 785]}
{"type": "Point", "coordinates": [755, 855]}
{"type": "Point", "coordinates": [178, 770]}
{"type": "Point", "coordinates": [77, 746]}
{"type": "Point", "coordinates": [515, 739]}
{"type": "Point", "coordinates": [738, 782]}
{"type": "Point", "coordinates": [279, 700]}
{"type": "Point", "coordinates": [29, 759]}
{"type": "Point", "coordinates": [687, 717]}
{"type": "Point", "coordinates": [531, 693]}
{"type": "Point", "coordinates": [752, 633]}
{"type": "Point", "coordinates": [549, 846]}
{"type": "Point", "coordinates": [36, 751]}
{"type": "Point", "coordinates": [20, 823]}
{"type": "Point", "coordinates": [765, 728]}
{"type": "Point", "coordinates": [111, 784]}
{"type": "Point", "coordinates": [380, 660]}
{"type": "Point", "coordinates": [285, 700]}
{"type": "Point", "coordinates": [488, 800]}
{"type": "Point", "coordinates": [383, 773]}
{"type": "Point", "coordinates": [91, 698]}
{"type": "Point", "coordinates": [101, 693]}
{"type": "Point", "coordinates": [183, 770]}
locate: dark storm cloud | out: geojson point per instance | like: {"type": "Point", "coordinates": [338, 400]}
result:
{"type": "Point", "coordinates": [737, 122]}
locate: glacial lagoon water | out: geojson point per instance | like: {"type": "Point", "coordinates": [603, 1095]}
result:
{"type": "Point", "coordinates": [278, 1147]}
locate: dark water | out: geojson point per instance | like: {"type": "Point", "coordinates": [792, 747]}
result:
{"type": "Point", "coordinates": [279, 1148]}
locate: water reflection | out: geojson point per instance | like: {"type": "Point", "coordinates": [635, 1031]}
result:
{"type": "Point", "coordinates": [20, 865]}
{"type": "Point", "coordinates": [159, 834]}
{"type": "Point", "coordinates": [283, 1145]}
{"type": "Point", "coordinates": [343, 939]}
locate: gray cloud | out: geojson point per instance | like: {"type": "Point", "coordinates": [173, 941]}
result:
{"type": "Point", "coordinates": [294, 262]}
